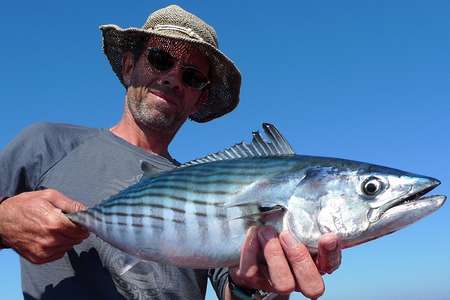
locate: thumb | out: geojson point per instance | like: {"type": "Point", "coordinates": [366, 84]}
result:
{"type": "Point", "coordinates": [64, 203]}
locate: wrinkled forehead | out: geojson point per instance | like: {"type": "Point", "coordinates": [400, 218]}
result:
{"type": "Point", "coordinates": [180, 50]}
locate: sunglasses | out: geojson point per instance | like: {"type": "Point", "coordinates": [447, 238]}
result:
{"type": "Point", "coordinates": [163, 62]}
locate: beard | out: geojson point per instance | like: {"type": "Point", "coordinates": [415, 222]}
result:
{"type": "Point", "coordinates": [151, 114]}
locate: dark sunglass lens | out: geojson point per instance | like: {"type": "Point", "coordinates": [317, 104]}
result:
{"type": "Point", "coordinates": [160, 59]}
{"type": "Point", "coordinates": [194, 78]}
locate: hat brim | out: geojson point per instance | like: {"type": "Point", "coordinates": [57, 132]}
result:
{"type": "Point", "coordinates": [225, 78]}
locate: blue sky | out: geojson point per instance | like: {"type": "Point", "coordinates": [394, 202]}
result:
{"type": "Point", "coordinates": [363, 80]}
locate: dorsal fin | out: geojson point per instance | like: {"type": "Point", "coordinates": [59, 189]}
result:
{"type": "Point", "coordinates": [276, 146]}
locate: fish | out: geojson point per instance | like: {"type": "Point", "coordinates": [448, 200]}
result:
{"type": "Point", "coordinates": [197, 215]}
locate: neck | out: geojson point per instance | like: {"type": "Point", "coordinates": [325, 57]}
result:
{"type": "Point", "coordinates": [153, 140]}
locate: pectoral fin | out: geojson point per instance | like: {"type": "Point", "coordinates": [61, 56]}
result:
{"type": "Point", "coordinates": [262, 213]}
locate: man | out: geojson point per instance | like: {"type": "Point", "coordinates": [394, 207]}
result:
{"type": "Point", "coordinates": [172, 70]}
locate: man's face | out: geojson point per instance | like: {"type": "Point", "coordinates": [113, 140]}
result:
{"type": "Point", "coordinates": [162, 99]}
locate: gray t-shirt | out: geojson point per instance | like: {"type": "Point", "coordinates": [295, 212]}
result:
{"type": "Point", "coordinates": [89, 165]}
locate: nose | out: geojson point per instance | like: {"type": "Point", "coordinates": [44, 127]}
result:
{"type": "Point", "coordinates": [172, 79]}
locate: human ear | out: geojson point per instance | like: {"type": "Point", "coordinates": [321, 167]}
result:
{"type": "Point", "coordinates": [127, 67]}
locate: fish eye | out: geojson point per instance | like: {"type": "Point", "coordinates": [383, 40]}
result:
{"type": "Point", "coordinates": [372, 186]}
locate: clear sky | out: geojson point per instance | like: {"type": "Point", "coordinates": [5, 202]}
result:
{"type": "Point", "coordinates": [363, 80]}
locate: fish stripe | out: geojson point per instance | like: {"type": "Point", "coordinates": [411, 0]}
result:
{"type": "Point", "coordinates": [193, 180]}
{"type": "Point", "coordinates": [158, 196]}
{"type": "Point", "coordinates": [163, 183]}
{"type": "Point", "coordinates": [140, 215]}
{"type": "Point", "coordinates": [183, 177]}
{"type": "Point", "coordinates": [188, 188]}
{"type": "Point", "coordinates": [155, 205]}
{"type": "Point", "coordinates": [181, 232]}
{"type": "Point", "coordinates": [239, 173]}
{"type": "Point", "coordinates": [95, 218]}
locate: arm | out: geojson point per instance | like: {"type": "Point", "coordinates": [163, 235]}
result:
{"type": "Point", "coordinates": [32, 222]}
{"type": "Point", "coordinates": [281, 265]}
{"type": "Point", "coordinates": [2, 244]}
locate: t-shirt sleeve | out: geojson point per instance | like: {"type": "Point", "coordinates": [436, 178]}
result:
{"type": "Point", "coordinates": [27, 158]}
{"type": "Point", "coordinates": [219, 280]}
{"type": "Point", "coordinates": [20, 163]}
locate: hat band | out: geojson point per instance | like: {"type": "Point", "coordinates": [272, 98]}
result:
{"type": "Point", "coordinates": [181, 29]}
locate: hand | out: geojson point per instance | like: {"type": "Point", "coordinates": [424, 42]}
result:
{"type": "Point", "coordinates": [282, 265]}
{"type": "Point", "coordinates": [35, 226]}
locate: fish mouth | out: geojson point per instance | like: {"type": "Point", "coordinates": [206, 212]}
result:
{"type": "Point", "coordinates": [418, 196]}
{"type": "Point", "coordinates": [415, 198]}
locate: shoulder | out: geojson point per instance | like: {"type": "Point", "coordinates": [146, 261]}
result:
{"type": "Point", "coordinates": [57, 130]}
{"type": "Point", "coordinates": [56, 133]}
{"type": "Point", "coordinates": [50, 139]}
{"type": "Point", "coordinates": [35, 150]}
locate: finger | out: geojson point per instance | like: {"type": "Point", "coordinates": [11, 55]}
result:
{"type": "Point", "coordinates": [281, 277]}
{"type": "Point", "coordinates": [62, 202]}
{"type": "Point", "coordinates": [248, 263]}
{"type": "Point", "coordinates": [57, 242]}
{"type": "Point", "coordinates": [46, 259]}
{"type": "Point", "coordinates": [57, 256]}
{"type": "Point", "coordinates": [329, 257]}
{"type": "Point", "coordinates": [72, 230]}
{"type": "Point", "coordinates": [248, 273]}
{"type": "Point", "coordinates": [307, 276]}
{"type": "Point", "coordinates": [59, 224]}
{"type": "Point", "coordinates": [71, 241]}
{"type": "Point", "coordinates": [65, 204]}
{"type": "Point", "coordinates": [40, 255]}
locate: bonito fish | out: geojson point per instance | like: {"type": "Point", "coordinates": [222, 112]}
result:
{"type": "Point", "coordinates": [197, 215]}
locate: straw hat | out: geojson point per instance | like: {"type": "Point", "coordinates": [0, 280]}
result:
{"type": "Point", "coordinates": [174, 23]}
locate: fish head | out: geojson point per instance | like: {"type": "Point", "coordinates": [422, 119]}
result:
{"type": "Point", "coordinates": [359, 202]}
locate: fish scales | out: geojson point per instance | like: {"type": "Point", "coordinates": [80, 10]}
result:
{"type": "Point", "coordinates": [185, 204]}
{"type": "Point", "coordinates": [201, 218]}
{"type": "Point", "coordinates": [197, 215]}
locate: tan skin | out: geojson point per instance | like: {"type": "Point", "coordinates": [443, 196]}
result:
{"type": "Point", "coordinates": [34, 225]}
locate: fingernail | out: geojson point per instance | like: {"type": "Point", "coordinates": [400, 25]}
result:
{"type": "Point", "coordinates": [288, 239]}
{"type": "Point", "coordinates": [331, 246]}
{"type": "Point", "coordinates": [267, 233]}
